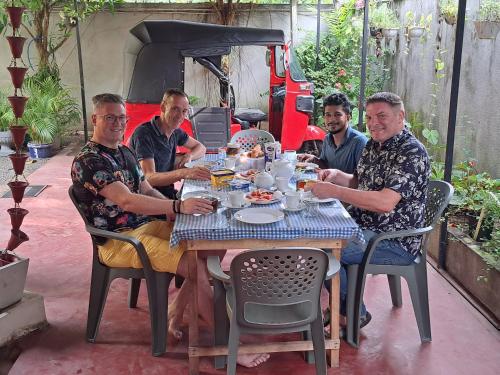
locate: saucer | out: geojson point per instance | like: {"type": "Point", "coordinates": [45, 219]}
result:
{"type": "Point", "coordinates": [299, 208]}
{"type": "Point", "coordinates": [228, 204]}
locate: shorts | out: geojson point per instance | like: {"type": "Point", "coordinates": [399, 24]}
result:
{"type": "Point", "coordinates": [155, 236]}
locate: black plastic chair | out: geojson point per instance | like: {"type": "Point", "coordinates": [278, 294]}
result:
{"type": "Point", "coordinates": [157, 285]}
{"type": "Point", "coordinates": [415, 274]}
{"type": "Point", "coordinates": [274, 291]}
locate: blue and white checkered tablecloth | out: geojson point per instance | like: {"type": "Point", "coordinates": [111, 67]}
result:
{"type": "Point", "coordinates": [331, 220]}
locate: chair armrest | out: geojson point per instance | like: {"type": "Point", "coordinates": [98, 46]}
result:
{"type": "Point", "coordinates": [333, 266]}
{"type": "Point", "coordinates": [113, 235]}
{"type": "Point", "coordinates": [138, 246]}
{"type": "Point", "coordinates": [372, 244]}
{"type": "Point", "coordinates": [215, 269]}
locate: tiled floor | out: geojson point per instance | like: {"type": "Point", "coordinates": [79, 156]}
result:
{"type": "Point", "coordinates": [60, 253]}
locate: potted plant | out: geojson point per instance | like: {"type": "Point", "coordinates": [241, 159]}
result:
{"type": "Point", "coordinates": [49, 111]}
{"type": "Point", "coordinates": [416, 28]}
{"type": "Point", "coordinates": [472, 191]}
{"type": "Point", "coordinates": [488, 21]}
{"type": "Point", "coordinates": [449, 10]}
{"type": "Point", "coordinates": [383, 19]}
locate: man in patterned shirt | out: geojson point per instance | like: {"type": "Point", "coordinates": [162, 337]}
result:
{"type": "Point", "coordinates": [111, 189]}
{"type": "Point", "coordinates": [387, 191]}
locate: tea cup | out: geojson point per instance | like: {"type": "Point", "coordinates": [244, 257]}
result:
{"type": "Point", "coordinates": [236, 198]}
{"type": "Point", "coordinates": [292, 199]}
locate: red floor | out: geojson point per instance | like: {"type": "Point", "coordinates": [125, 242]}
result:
{"type": "Point", "coordinates": [60, 253]}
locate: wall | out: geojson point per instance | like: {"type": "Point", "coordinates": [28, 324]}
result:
{"type": "Point", "coordinates": [103, 39]}
{"type": "Point", "coordinates": [413, 71]}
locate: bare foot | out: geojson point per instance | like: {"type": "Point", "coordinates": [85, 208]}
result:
{"type": "Point", "coordinates": [173, 328]}
{"type": "Point", "coordinates": [252, 360]}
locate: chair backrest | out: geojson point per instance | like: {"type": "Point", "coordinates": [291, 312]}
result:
{"type": "Point", "coordinates": [96, 240]}
{"type": "Point", "coordinates": [439, 194]}
{"type": "Point", "coordinates": [278, 287]}
{"type": "Point", "coordinates": [251, 137]}
{"type": "Point", "coordinates": [71, 192]}
{"type": "Point", "coordinates": [211, 126]}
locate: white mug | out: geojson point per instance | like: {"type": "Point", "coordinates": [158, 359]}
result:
{"type": "Point", "coordinates": [236, 198]}
{"type": "Point", "coordinates": [282, 183]}
{"type": "Point", "coordinates": [230, 162]}
{"type": "Point", "coordinates": [292, 199]}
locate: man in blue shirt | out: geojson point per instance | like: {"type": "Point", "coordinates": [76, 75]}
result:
{"type": "Point", "coordinates": [342, 145]}
{"type": "Point", "coordinates": [155, 143]}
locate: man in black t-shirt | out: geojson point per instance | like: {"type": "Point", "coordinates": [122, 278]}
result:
{"type": "Point", "coordinates": [155, 143]}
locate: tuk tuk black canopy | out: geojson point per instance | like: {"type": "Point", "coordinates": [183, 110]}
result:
{"type": "Point", "coordinates": [155, 52]}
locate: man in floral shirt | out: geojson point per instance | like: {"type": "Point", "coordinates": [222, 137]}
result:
{"type": "Point", "coordinates": [387, 191]}
{"type": "Point", "coordinates": [110, 187]}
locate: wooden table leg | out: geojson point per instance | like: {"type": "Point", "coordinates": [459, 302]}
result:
{"type": "Point", "coordinates": [194, 362]}
{"type": "Point", "coordinates": [334, 312]}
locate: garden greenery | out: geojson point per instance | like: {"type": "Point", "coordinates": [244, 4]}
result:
{"type": "Point", "coordinates": [49, 110]}
{"type": "Point", "coordinates": [489, 10]}
{"type": "Point", "coordinates": [338, 65]}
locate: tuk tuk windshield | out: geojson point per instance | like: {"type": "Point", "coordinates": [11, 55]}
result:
{"type": "Point", "coordinates": [296, 72]}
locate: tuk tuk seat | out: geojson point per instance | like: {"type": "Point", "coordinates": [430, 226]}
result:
{"type": "Point", "coordinates": [252, 115]}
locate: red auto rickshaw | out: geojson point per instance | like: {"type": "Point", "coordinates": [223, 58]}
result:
{"type": "Point", "coordinates": [154, 61]}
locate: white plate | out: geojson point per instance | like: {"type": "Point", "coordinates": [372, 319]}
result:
{"type": "Point", "coordinates": [299, 208]}
{"type": "Point", "coordinates": [308, 197]}
{"type": "Point", "coordinates": [228, 204]}
{"type": "Point", "coordinates": [200, 163]}
{"type": "Point", "coordinates": [259, 215]}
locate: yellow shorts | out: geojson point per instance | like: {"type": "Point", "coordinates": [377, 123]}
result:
{"type": "Point", "coordinates": [155, 236]}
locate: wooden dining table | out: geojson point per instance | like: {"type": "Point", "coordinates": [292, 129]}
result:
{"type": "Point", "coordinates": [330, 227]}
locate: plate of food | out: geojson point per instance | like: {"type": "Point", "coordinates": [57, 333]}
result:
{"type": "Point", "coordinates": [262, 196]}
{"type": "Point", "coordinates": [306, 166]}
{"type": "Point", "coordinates": [248, 175]}
{"type": "Point", "coordinates": [259, 215]}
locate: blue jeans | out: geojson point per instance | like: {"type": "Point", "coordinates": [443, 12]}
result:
{"type": "Point", "coordinates": [387, 252]}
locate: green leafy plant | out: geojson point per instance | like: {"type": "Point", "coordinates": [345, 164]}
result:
{"type": "Point", "coordinates": [489, 10]}
{"type": "Point", "coordinates": [49, 110]}
{"type": "Point", "coordinates": [449, 10]}
{"type": "Point", "coordinates": [428, 136]}
{"type": "Point", "coordinates": [383, 17]}
{"type": "Point", "coordinates": [47, 38]}
{"type": "Point", "coordinates": [338, 65]}
{"type": "Point", "coordinates": [471, 187]}
{"type": "Point", "coordinates": [423, 21]}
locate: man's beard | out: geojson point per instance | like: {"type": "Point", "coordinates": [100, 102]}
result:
{"type": "Point", "coordinates": [336, 131]}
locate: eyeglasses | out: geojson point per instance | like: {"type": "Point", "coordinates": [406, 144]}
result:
{"type": "Point", "coordinates": [110, 119]}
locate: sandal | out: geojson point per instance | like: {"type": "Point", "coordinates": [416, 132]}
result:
{"type": "Point", "coordinates": [363, 321]}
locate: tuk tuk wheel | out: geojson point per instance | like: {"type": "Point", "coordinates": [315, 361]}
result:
{"type": "Point", "coordinates": [312, 147]}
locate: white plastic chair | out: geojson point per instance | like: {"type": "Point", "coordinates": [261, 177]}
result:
{"type": "Point", "coordinates": [251, 137]}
